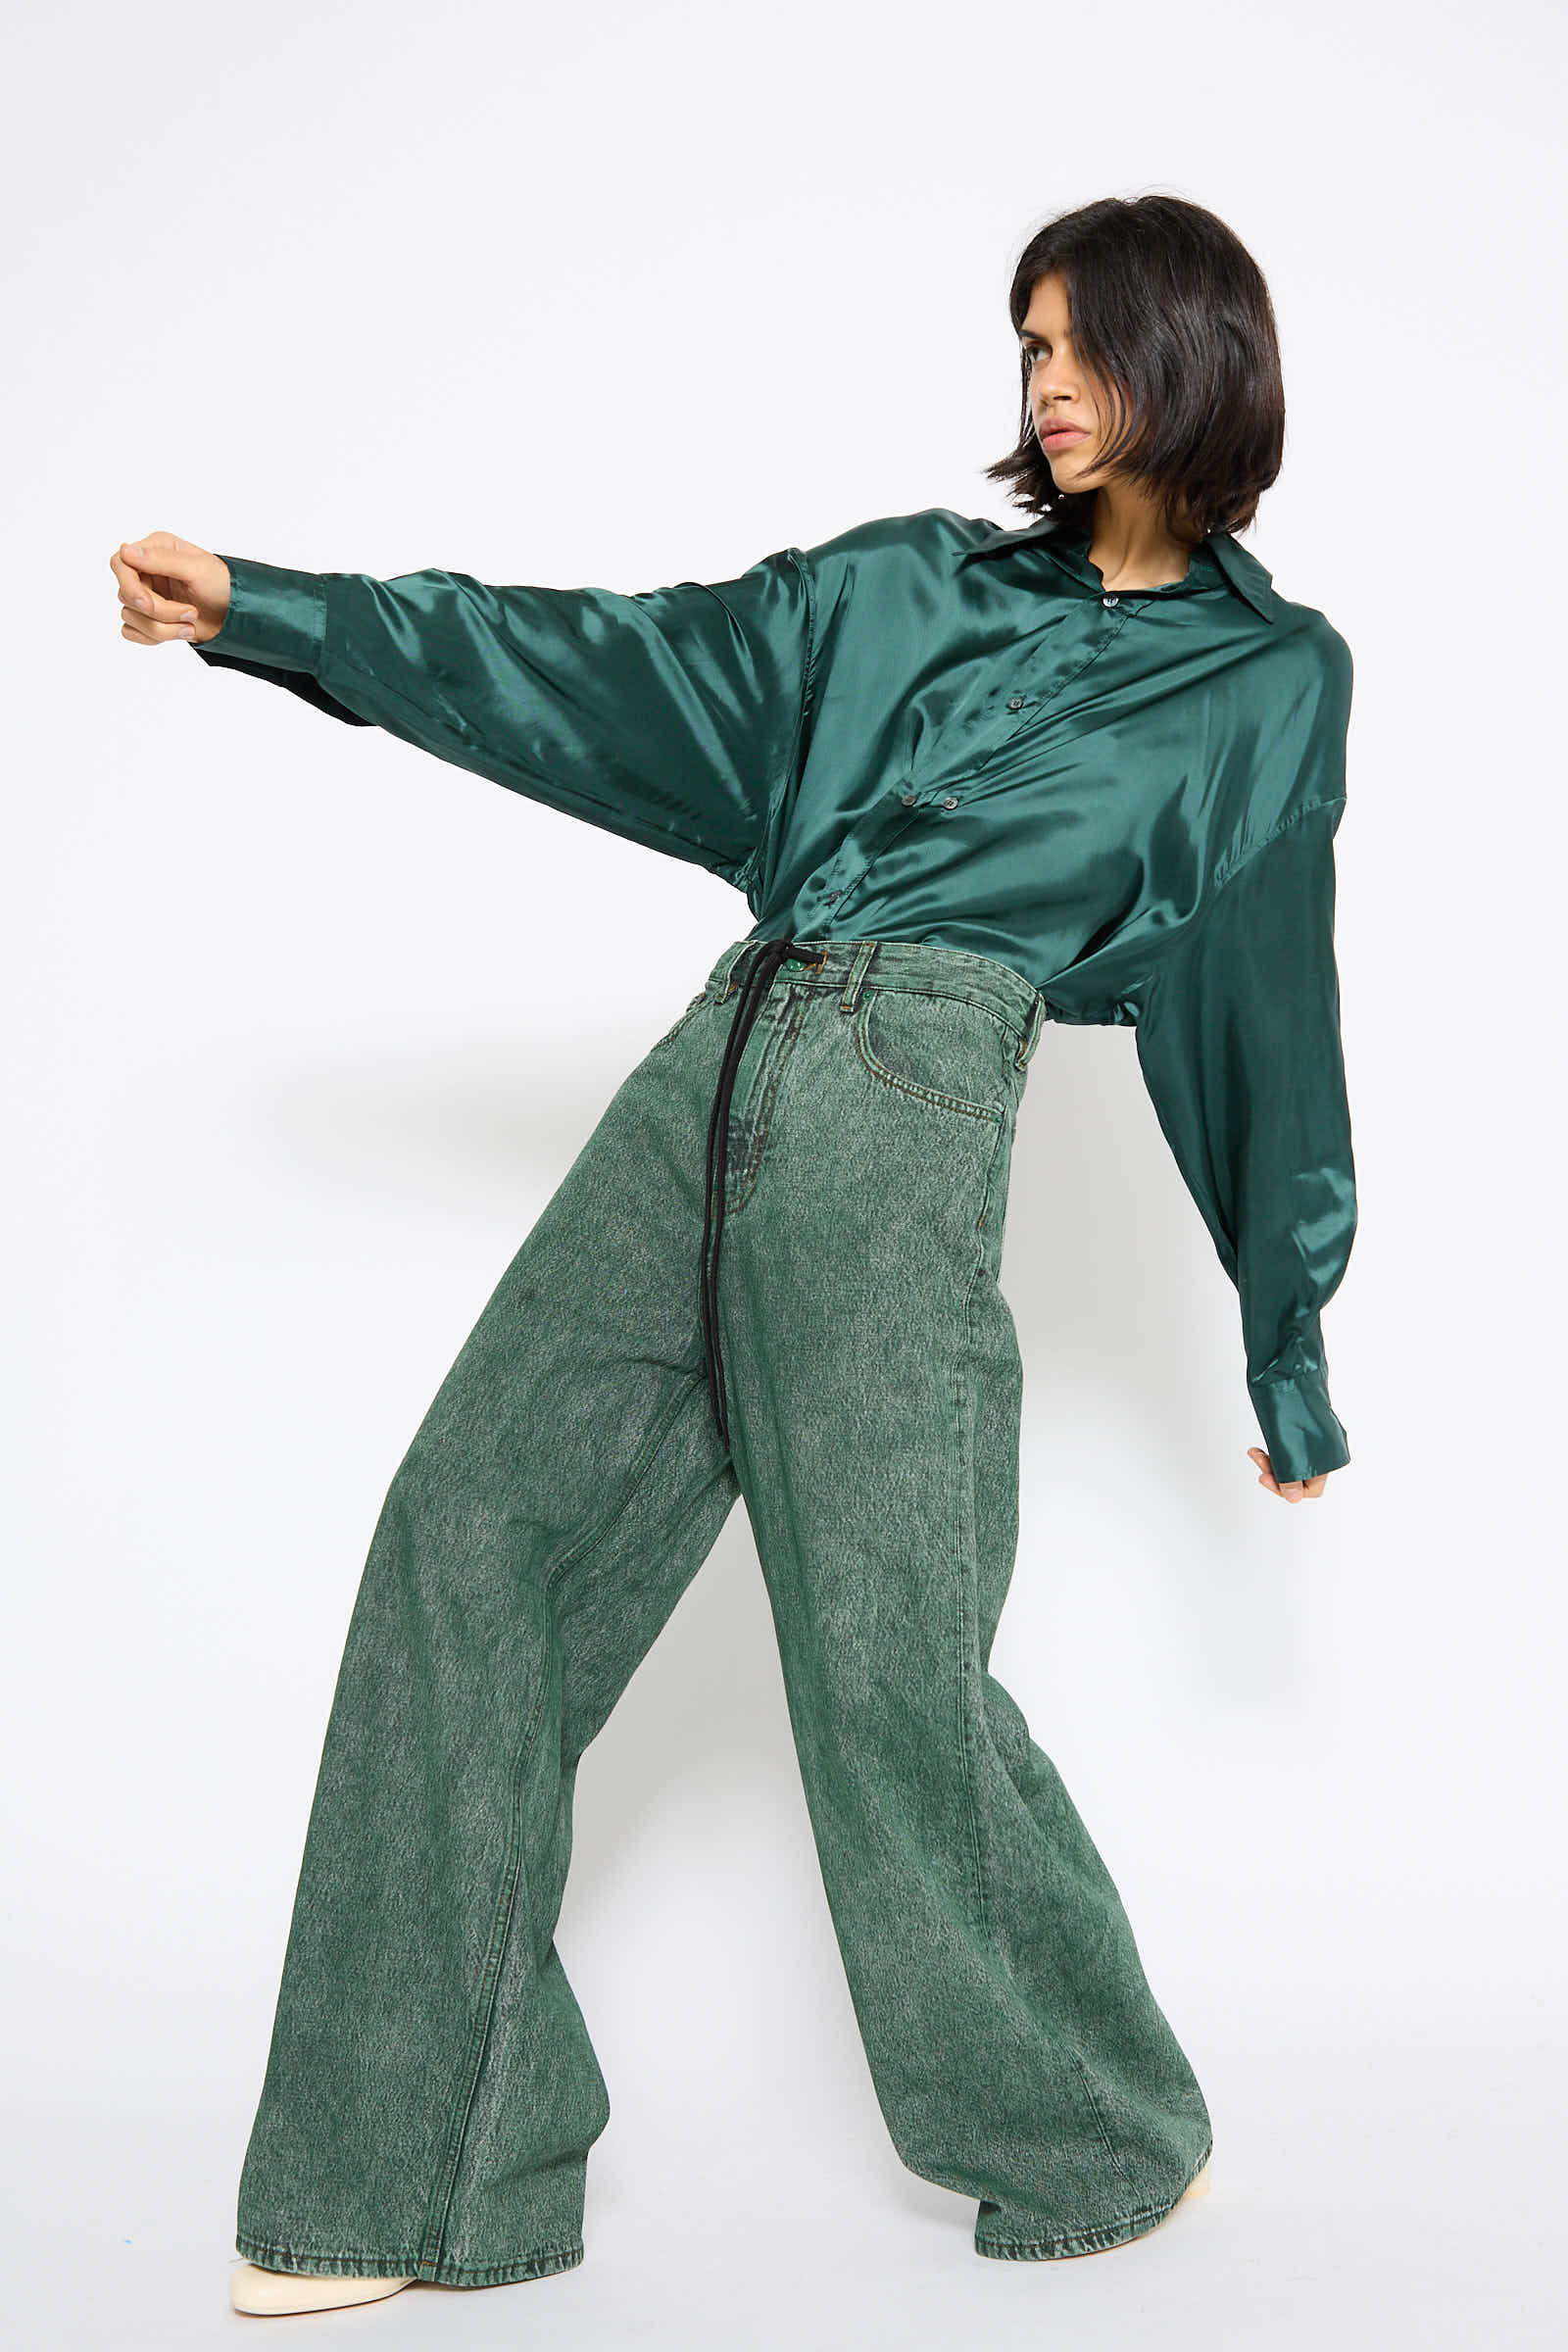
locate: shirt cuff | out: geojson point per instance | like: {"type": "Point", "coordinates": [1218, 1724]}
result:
{"type": "Point", "coordinates": [1301, 1434]}
{"type": "Point", "coordinates": [275, 616]}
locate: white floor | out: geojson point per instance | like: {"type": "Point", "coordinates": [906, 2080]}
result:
{"type": "Point", "coordinates": [1350, 2201]}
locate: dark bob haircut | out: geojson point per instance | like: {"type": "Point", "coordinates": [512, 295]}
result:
{"type": "Point", "coordinates": [1172, 319]}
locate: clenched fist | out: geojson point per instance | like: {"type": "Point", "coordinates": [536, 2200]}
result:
{"type": "Point", "coordinates": [170, 588]}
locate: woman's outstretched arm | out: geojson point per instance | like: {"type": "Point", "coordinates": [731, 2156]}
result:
{"type": "Point", "coordinates": [672, 716]}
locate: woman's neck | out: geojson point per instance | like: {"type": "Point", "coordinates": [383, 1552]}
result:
{"type": "Point", "coordinates": [1130, 547]}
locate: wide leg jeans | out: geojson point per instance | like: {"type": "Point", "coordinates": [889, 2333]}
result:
{"type": "Point", "coordinates": [431, 2092]}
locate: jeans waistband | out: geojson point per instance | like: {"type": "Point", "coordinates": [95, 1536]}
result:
{"type": "Point", "coordinates": [849, 966]}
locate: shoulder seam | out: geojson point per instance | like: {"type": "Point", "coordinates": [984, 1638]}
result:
{"type": "Point", "coordinates": [1231, 865]}
{"type": "Point", "coordinates": [1226, 873]}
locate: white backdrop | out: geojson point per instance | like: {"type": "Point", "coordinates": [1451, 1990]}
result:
{"type": "Point", "coordinates": [304, 1027]}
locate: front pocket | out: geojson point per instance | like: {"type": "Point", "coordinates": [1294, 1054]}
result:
{"type": "Point", "coordinates": [943, 1051]}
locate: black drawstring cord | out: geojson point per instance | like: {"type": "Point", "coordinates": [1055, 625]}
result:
{"type": "Point", "coordinates": [758, 979]}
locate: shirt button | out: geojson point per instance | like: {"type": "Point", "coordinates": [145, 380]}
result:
{"type": "Point", "coordinates": [1110, 600]}
{"type": "Point", "coordinates": [832, 893]}
{"type": "Point", "coordinates": [908, 799]}
{"type": "Point", "coordinates": [1015, 702]}
{"type": "Point", "coordinates": [949, 801]}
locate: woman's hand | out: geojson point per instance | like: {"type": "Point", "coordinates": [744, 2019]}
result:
{"type": "Point", "coordinates": [170, 588]}
{"type": "Point", "coordinates": [1295, 1490]}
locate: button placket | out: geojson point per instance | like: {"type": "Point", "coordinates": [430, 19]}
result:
{"type": "Point", "coordinates": [882, 826]}
{"type": "Point", "coordinates": [1025, 709]}
{"type": "Point", "coordinates": [877, 831]}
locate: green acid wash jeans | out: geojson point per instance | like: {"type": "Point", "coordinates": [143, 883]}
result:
{"type": "Point", "coordinates": [431, 2092]}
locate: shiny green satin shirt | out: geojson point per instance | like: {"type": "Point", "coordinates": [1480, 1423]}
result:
{"type": "Point", "coordinates": [933, 727]}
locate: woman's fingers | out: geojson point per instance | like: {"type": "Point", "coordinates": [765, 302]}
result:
{"type": "Point", "coordinates": [168, 587]}
{"type": "Point", "coordinates": [1293, 1490]}
{"type": "Point", "coordinates": [164, 552]}
{"type": "Point", "coordinates": [157, 612]}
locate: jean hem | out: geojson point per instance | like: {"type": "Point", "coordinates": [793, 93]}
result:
{"type": "Point", "coordinates": [312, 2263]}
{"type": "Point", "coordinates": [1117, 2233]}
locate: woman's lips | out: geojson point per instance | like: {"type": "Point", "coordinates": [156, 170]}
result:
{"type": "Point", "coordinates": [1057, 436]}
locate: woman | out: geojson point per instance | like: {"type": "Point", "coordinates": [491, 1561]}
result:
{"type": "Point", "coordinates": [970, 779]}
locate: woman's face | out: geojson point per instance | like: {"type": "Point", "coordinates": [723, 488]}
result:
{"type": "Point", "coordinates": [1070, 424]}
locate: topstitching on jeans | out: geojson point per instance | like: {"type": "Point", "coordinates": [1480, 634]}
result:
{"type": "Point", "coordinates": [777, 1051]}
{"type": "Point", "coordinates": [339, 2263]}
{"type": "Point", "coordinates": [962, 1521]}
{"type": "Point", "coordinates": [1135, 2224]}
{"type": "Point", "coordinates": [1100, 2121]}
{"type": "Point", "coordinates": [909, 1085]}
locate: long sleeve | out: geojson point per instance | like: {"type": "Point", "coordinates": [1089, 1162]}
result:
{"type": "Point", "coordinates": [298, 681]}
{"type": "Point", "coordinates": [672, 717]}
{"type": "Point", "coordinates": [1239, 1045]}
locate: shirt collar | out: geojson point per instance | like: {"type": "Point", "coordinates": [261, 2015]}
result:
{"type": "Point", "coordinates": [1238, 564]}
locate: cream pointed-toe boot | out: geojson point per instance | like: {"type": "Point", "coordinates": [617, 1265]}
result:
{"type": "Point", "coordinates": [268, 2292]}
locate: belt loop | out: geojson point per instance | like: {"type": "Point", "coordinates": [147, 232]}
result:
{"type": "Point", "coordinates": [1031, 1036]}
{"type": "Point", "coordinates": [858, 962]}
{"type": "Point", "coordinates": [737, 963]}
